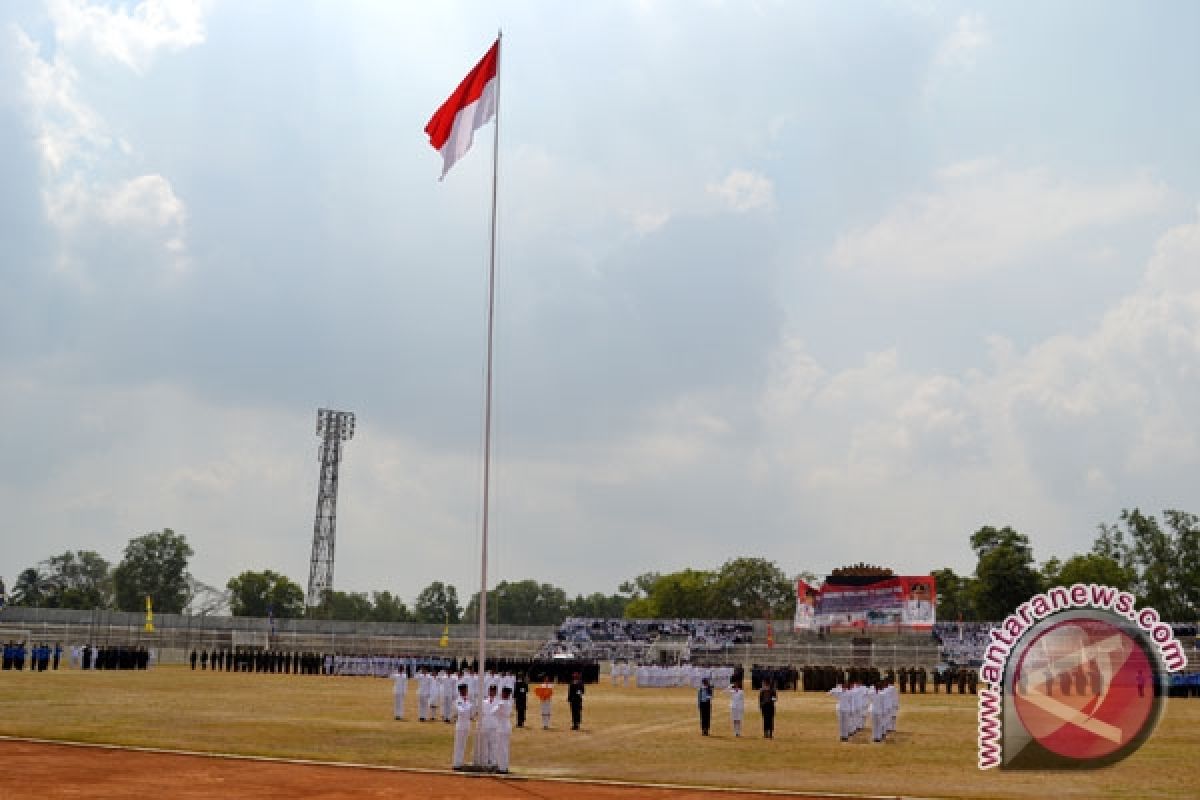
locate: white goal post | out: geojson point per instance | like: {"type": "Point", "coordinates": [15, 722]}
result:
{"type": "Point", "coordinates": [14, 635]}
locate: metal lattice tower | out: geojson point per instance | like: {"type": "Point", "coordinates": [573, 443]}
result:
{"type": "Point", "coordinates": [334, 427]}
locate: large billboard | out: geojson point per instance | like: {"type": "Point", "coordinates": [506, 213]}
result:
{"type": "Point", "coordinates": [892, 603]}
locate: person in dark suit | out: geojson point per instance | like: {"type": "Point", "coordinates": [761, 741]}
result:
{"type": "Point", "coordinates": [704, 697]}
{"type": "Point", "coordinates": [575, 700]}
{"type": "Point", "coordinates": [766, 704]}
{"type": "Point", "coordinates": [520, 697]}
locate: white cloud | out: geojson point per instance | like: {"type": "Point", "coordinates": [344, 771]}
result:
{"type": "Point", "coordinates": [1176, 261]}
{"type": "Point", "coordinates": [75, 142]}
{"type": "Point", "coordinates": [743, 190]}
{"type": "Point", "coordinates": [147, 200]}
{"type": "Point", "coordinates": [981, 217]}
{"type": "Point", "coordinates": [1078, 421]}
{"type": "Point", "coordinates": [130, 36]}
{"type": "Point", "coordinates": [961, 47]}
{"type": "Point", "coordinates": [67, 130]}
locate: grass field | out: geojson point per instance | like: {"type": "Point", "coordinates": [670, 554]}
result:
{"type": "Point", "coordinates": [649, 735]}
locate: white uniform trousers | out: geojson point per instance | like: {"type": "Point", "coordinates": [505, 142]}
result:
{"type": "Point", "coordinates": [503, 742]}
{"type": "Point", "coordinates": [845, 724]}
{"type": "Point", "coordinates": [460, 741]}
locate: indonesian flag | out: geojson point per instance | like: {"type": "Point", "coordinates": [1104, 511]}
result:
{"type": "Point", "coordinates": [472, 105]}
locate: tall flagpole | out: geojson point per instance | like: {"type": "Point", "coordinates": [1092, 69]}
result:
{"type": "Point", "coordinates": [487, 420]}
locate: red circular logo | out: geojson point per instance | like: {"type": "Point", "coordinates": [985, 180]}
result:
{"type": "Point", "coordinates": [1084, 688]}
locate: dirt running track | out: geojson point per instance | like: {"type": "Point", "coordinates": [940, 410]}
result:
{"type": "Point", "coordinates": [29, 769]}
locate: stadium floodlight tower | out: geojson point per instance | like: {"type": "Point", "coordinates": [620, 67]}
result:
{"type": "Point", "coordinates": [334, 427]}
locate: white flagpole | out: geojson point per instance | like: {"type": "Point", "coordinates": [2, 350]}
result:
{"type": "Point", "coordinates": [487, 423]}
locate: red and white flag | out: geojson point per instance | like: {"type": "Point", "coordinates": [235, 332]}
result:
{"type": "Point", "coordinates": [472, 105]}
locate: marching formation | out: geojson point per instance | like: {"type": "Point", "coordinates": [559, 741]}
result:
{"type": "Point", "coordinates": [652, 676]}
{"type": "Point", "coordinates": [43, 657]}
{"type": "Point", "coordinates": [462, 697]}
{"type": "Point", "coordinates": [856, 701]}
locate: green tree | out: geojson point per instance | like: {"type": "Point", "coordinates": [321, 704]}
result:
{"type": "Point", "coordinates": [752, 588]}
{"type": "Point", "coordinates": [685, 594]}
{"type": "Point", "coordinates": [524, 602]}
{"type": "Point", "coordinates": [641, 608]}
{"type": "Point", "coordinates": [342, 605]}
{"type": "Point", "coordinates": [254, 593]}
{"type": "Point", "coordinates": [954, 596]}
{"type": "Point", "coordinates": [1167, 562]}
{"type": "Point", "coordinates": [1004, 576]}
{"type": "Point", "coordinates": [437, 603]}
{"type": "Point", "coordinates": [80, 579]}
{"type": "Point", "coordinates": [1087, 568]}
{"type": "Point", "coordinates": [389, 608]}
{"type": "Point", "coordinates": [639, 587]}
{"type": "Point", "coordinates": [85, 579]}
{"type": "Point", "coordinates": [31, 589]}
{"type": "Point", "coordinates": [598, 606]}
{"type": "Point", "coordinates": [154, 565]}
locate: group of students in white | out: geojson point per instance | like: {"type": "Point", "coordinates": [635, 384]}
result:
{"type": "Point", "coordinates": [656, 677]}
{"type": "Point", "coordinates": [371, 666]}
{"type": "Point", "coordinates": [856, 700]}
{"type": "Point", "coordinates": [455, 697]}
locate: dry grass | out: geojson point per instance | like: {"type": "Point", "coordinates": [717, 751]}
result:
{"type": "Point", "coordinates": [631, 734]}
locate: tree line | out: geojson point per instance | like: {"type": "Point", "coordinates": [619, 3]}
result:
{"type": "Point", "coordinates": [1158, 562]}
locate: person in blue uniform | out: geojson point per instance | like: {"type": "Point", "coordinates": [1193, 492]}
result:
{"type": "Point", "coordinates": [704, 697]}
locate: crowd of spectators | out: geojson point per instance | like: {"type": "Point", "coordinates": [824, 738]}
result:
{"type": "Point", "coordinates": [962, 643]}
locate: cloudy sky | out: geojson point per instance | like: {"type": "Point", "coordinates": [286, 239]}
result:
{"type": "Point", "coordinates": [819, 282]}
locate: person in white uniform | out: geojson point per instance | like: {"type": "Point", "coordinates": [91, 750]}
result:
{"type": "Point", "coordinates": [737, 707]}
{"type": "Point", "coordinates": [448, 682]}
{"type": "Point", "coordinates": [844, 711]}
{"type": "Point", "coordinates": [489, 728]}
{"type": "Point", "coordinates": [462, 725]}
{"type": "Point", "coordinates": [399, 691]}
{"type": "Point", "coordinates": [422, 694]}
{"type": "Point", "coordinates": [504, 729]}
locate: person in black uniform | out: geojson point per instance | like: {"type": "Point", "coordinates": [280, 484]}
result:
{"type": "Point", "coordinates": [193, 659]}
{"type": "Point", "coordinates": [766, 704]}
{"type": "Point", "coordinates": [575, 700]}
{"type": "Point", "coordinates": [704, 701]}
{"type": "Point", "coordinates": [520, 697]}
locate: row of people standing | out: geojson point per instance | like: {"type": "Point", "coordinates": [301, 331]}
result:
{"type": "Point", "coordinates": [767, 699]}
{"type": "Point", "coordinates": [654, 676]}
{"type": "Point", "coordinates": [856, 700]}
{"type": "Point", "coordinates": [40, 656]}
{"type": "Point", "coordinates": [115, 657]}
{"type": "Point", "coordinates": [499, 699]}
{"type": "Point", "coordinates": [967, 680]}
{"type": "Point", "coordinates": [780, 677]}
{"type": "Point", "coordinates": [245, 659]}
{"type": "Point", "coordinates": [439, 690]}
{"type": "Point", "coordinates": [824, 678]}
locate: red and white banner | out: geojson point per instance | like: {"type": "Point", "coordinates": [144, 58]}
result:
{"type": "Point", "coordinates": [452, 127]}
{"type": "Point", "coordinates": [898, 603]}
